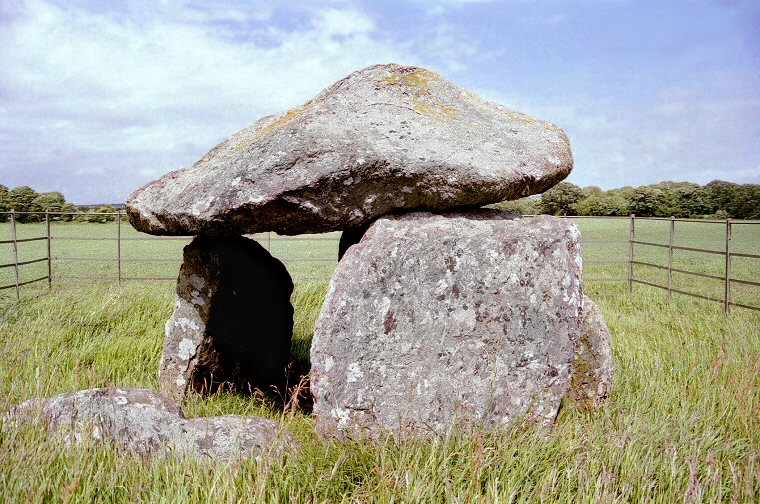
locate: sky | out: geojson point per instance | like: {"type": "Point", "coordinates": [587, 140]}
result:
{"type": "Point", "coordinates": [99, 98]}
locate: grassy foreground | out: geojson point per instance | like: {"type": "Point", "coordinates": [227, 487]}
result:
{"type": "Point", "coordinates": [681, 425]}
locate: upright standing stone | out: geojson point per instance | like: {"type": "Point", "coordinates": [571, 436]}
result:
{"type": "Point", "coordinates": [434, 322]}
{"type": "Point", "coordinates": [592, 366]}
{"type": "Point", "coordinates": [232, 321]}
{"type": "Point", "coordinates": [350, 237]}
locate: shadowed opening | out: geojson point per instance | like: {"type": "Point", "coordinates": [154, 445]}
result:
{"type": "Point", "coordinates": [250, 322]}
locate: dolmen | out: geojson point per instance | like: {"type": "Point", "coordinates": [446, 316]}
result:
{"type": "Point", "coordinates": [441, 315]}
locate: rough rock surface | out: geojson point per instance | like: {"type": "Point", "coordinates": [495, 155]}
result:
{"type": "Point", "coordinates": [385, 138]}
{"type": "Point", "coordinates": [350, 237]}
{"type": "Point", "coordinates": [232, 320]}
{"type": "Point", "coordinates": [145, 422]}
{"type": "Point", "coordinates": [469, 318]}
{"type": "Point", "coordinates": [592, 366]}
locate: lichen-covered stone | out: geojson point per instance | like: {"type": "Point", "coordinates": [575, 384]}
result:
{"type": "Point", "coordinates": [385, 138]}
{"type": "Point", "coordinates": [232, 322]}
{"type": "Point", "coordinates": [145, 422]}
{"type": "Point", "coordinates": [592, 366]}
{"type": "Point", "coordinates": [434, 322]}
{"type": "Point", "coordinates": [350, 237]}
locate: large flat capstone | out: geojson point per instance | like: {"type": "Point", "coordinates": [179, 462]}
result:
{"type": "Point", "coordinates": [383, 139]}
{"type": "Point", "coordinates": [232, 322]}
{"type": "Point", "coordinates": [145, 422]}
{"type": "Point", "coordinates": [434, 322]}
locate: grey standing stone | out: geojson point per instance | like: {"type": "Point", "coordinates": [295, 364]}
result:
{"type": "Point", "coordinates": [385, 138]}
{"type": "Point", "coordinates": [232, 322]}
{"type": "Point", "coordinates": [145, 422]}
{"type": "Point", "coordinates": [434, 322]}
{"type": "Point", "coordinates": [592, 366]}
{"type": "Point", "coordinates": [350, 237]}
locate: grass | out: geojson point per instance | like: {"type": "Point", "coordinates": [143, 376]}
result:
{"type": "Point", "coordinates": [681, 423]}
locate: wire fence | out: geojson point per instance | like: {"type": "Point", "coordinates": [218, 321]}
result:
{"type": "Point", "coordinates": [667, 254]}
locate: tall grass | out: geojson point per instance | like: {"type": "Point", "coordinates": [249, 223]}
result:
{"type": "Point", "coordinates": [681, 423]}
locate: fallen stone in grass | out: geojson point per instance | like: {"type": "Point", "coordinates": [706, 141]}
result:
{"type": "Point", "coordinates": [434, 322]}
{"type": "Point", "coordinates": [592, 365]}
{"type": "Point", "coordinates": [232, 323]}
{"type": "Point", "coordinates": [386, 138]}
{"type": "Point", "coordinates": [146, 422]}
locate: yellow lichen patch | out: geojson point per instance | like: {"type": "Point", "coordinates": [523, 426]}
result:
{"type": "Point", "coordinates": [280, 121]}
{"type": "Point", "coordinates": [442, 113]}
{"type": "Point", "coordinates": [415, 83]}
{"type": "Point", "coordinates": [417, 79]}
{"type": "Point", "coordinates": [275, 123]}
{"type": "Point", "coordinates": [238, 146]}
{"type": "Point", "coordinates": [469, 95]}
{"type": "Point", "coordinates": [522, 118]}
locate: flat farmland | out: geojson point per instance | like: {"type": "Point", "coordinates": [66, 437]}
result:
{"type": "Point", "coordinates": [91, 250]}
{"type": "Point", "coordinates": [681, 423]}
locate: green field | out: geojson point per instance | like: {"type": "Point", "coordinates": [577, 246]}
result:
{"type": "Point", "coordinates": [313, 257]}
{"type": "Point", "coordinates": [681, 423]}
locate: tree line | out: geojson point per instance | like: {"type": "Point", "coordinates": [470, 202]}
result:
{"type": "Point", "coordinates": [718, 199]}
{"type": "Point", "coordinates": [26, 199]}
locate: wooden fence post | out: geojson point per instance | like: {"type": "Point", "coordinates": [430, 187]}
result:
{"type": "Point", "coordinates": [49, 256]}
{"type": "Point", "coordinates": [631, 239]}
{"type": "Point", "coordinates": [727, 293]}
{"type": "Point", "coordinates": [118, 244]}
{"type": "Point", "coordinates": [15, 250]}
{"type": "Point", "coordinates": [670, 257]}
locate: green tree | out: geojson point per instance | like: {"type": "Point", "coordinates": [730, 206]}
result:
{"type": "Point", "coordinates": [100, 215]}
{"type": "Point", "coordinates": [738, 201]}
{"type": "Point", "coordinates": [603, 203]}
{"type": "Point", "coordinates": [690, 200]}
{"type": "Point", "coordinates": [745, 203]}
{"type": "Point", "coordinates": [720, 194]}
{"type": "Point", "coordinates": [68, 208]}
{"type": "Point", "coordinates": [50, 202]}
{"type": "Point", "coordinates": [561, 199]}
{"type": "Point", "coordinates": [522, 206]}
{"type": "Point", "coordinates": [592, 191]}
{"type": "Point", "coordinates": [650, 201]}
{"type": "Point", "coordinates": [3, 203]}
{"type": "Point", "coordinates": [21, 199]}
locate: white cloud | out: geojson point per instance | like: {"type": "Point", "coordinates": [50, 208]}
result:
{"type": "Point", "coordinates": [160, 84]}
{"type": "Point", "coordinates": [691, 133]}
{"type": "Point", "coordinates": [96, 101]}
{"type": "Point", "coordinates": [89, 170]}
{"type": "Point", "coordinates": [151, 172]}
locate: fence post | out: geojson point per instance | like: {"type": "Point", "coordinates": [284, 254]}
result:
{"type": "Point", "coordinates": [631, 239]}
{"type": "Point", "coordinates": [118, 244]}
{"type": "Point", "coordinates": [670, 257]}
{"type": "Point", "coordinates": [15, 250]}
{"type": "Point", "coordinates": [727, 293]}
{"type": "Point", "coordinates": [49, 256]}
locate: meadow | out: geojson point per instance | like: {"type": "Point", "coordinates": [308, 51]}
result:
{"type": "Point", "coordinates": [681, 423]}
